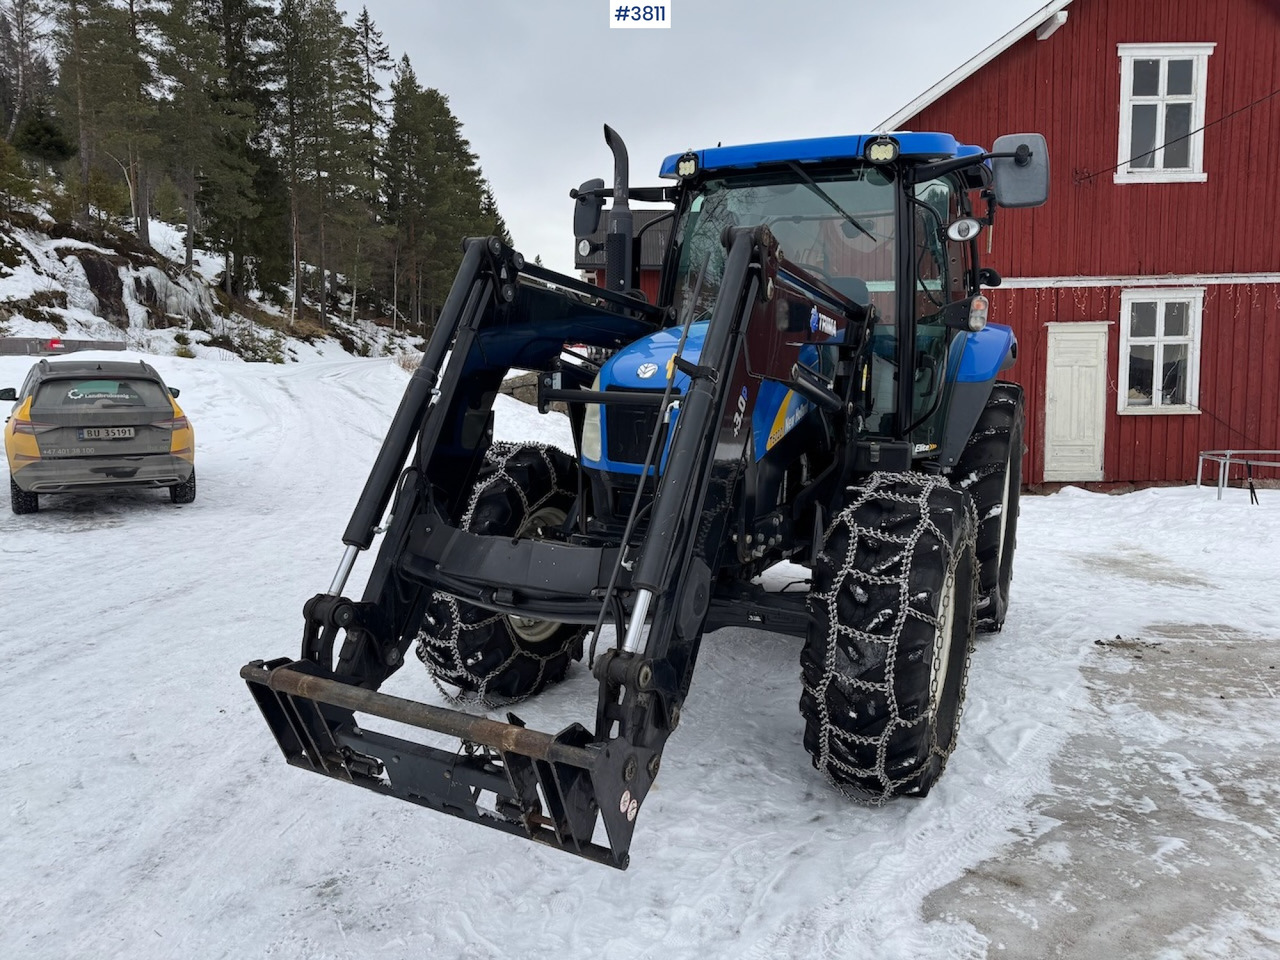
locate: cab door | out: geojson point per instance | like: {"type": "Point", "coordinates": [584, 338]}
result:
{"type": "Point", "coordinates": [938, 278]}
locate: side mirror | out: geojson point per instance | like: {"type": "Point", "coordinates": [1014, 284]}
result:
{"type": "Point", "coordinates": [9, 393]}
{"type": "Point", "coordinates": [1022, 178]}
{"type": "Point", "coordinates": [173, 392]}
{"type": "Point", "coordinates": [586, 208]}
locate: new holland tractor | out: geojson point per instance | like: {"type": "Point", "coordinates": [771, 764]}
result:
{"type": "Point", "coordinates": [815, 382]}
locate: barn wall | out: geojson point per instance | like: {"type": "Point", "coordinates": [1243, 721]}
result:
{"type": "Point", "coordinates": [1239, 379]}
{"type": "Point", "coordinates": [1068, 88]}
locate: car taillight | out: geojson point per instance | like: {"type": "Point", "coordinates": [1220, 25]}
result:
{"type": "Point", "coordinates": [32, 427]}
{"type": "Point", "coordinates": [177, 423]}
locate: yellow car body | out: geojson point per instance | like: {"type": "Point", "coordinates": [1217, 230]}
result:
{"type": "Point", "coordinates": [94, 425]}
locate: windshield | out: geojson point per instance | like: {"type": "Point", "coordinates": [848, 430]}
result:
{"type": "Point", "coordinates": [808, 219]}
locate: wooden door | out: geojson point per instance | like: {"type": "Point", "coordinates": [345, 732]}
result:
{"type": "Point", "coordinates": [1075, 413]}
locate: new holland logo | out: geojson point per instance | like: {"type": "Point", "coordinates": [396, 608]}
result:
{"type": "Point", "coordinates": [646, 370]}
{"type": "Point", "coordinates": [821, 323]}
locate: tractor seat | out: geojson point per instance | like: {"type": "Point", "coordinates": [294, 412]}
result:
{"type": "Point", "coordinates": [855, 288]}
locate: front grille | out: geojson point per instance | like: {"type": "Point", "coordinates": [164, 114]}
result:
{"type": "Point", "coordinates": [629, 429]}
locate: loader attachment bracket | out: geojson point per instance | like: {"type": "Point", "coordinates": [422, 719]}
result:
{"type": "Point", "coordinates": [557, 790]}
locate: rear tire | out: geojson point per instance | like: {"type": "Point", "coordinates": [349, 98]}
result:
{"type": "Point", "coordinates": [184, 492]}
{"type": "Point", "coordinates": [990, 471]}
{"type": "Point", "coordinates": [886, 661]}
{"type": "Point", "coordinates": [522, 491]}
{"type": "Point", "coordinates": [21, 500]}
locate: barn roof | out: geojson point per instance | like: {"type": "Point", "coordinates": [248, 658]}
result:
{"type": "Point", "coordinates": [1044, 21]}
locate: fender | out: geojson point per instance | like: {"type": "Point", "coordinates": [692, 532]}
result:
{"type": "Point", "coordinates": [987, 352]}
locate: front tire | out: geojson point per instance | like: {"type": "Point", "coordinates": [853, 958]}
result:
{"type": "Point", "coordinates": [22, 501]}
{"type": "Point", "coordinates": [990, 471]}
{"type": "Point", "coordinates": [886, 661]}
{"type": "Point", "coordinates": [522, 491]}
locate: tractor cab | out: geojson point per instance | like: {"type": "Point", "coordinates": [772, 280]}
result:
{"type": "Point", "coordinates": [873, 233]}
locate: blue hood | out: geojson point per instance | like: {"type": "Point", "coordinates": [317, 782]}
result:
{"type": "Point", "coordinates": [643, 365]}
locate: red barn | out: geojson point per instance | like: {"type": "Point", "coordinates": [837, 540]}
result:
{"type": "Point", "coordinates": [1146, 293]}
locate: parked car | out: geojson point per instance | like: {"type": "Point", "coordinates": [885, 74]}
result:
{"type": "Point", "coordinates": [80, 425]}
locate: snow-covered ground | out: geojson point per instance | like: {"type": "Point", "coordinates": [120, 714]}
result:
{"type": "Point", "coordinates": [1114, 792]}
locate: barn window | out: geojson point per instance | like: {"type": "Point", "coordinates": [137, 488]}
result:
{"type": "Point", "coordinates": [1160, 350]}
{"type": "Point", "coordinates": [1162, 97]}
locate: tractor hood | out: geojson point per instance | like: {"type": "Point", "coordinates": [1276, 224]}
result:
{"type": "Point", "coordinates": [643, 365]}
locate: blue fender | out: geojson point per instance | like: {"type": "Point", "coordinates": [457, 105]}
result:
{"type": "Point", "coordinates": [986, 353]}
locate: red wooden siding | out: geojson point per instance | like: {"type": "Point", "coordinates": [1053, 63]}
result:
{"type": "Point", "coordinates": [1068, 87]}
{"type": "Point", "coordinates": [1239, 379]}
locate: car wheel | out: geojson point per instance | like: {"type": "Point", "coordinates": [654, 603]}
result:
{"type": "Point", "coordinates": [184, 492]}
{"type": "Point", "coordinates": [22, 501]}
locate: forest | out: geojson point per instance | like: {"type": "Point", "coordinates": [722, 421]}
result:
{"type": "Point", "coordinates": [284, 138]}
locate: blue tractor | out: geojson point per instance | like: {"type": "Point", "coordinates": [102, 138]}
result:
{"type": "Point", "coordinates": [816, 383]}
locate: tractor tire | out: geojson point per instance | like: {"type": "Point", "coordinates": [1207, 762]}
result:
{"type": "Point", "coordinates": [184, 492]}
{"type": "Point", "coordinates": [21, 500]}
{"type": "Point", "coordinates": [490, 657]}
{"type": "Point", "coordinates": [990, 471]}
{"type": "Point", "coordinates": [886, 661]}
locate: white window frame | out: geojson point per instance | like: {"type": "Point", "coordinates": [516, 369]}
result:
{"type": "Point", "coordinates": [1198, 54]}
{"type": "Point", "coordinates": [1194, 297]}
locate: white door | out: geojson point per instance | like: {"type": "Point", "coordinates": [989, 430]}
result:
{"type": "Point", "coordinates": [1075, 401]}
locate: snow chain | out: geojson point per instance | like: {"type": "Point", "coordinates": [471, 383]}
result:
{"type": "Point", "coordinates": [886, 487]}
{"type": "Point", "coordinates": [446, 648]}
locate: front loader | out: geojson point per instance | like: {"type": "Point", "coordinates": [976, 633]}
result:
{"type": "Point", "coordinates": [815, 383]}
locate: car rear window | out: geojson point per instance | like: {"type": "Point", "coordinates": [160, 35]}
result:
{"type": "Point", "coordinates": [68, 396]}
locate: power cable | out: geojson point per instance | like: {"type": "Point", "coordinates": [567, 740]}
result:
{"type": "Point", "coordinates": [1185, 136]}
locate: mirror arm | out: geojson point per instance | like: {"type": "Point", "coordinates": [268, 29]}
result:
{"type": "Point", "coordinates": [641, 194]}
{"type": "Point", "coordinates": [989, 195]}
{"type": "Point", "coordinates": [931, 171]}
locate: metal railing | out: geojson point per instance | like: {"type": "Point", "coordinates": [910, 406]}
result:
{"type": "Point", "coordinates": [52, 347]}
{"type": "Point", "coordinates": [1226, 459]}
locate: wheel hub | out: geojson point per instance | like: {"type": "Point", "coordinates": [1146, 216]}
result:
{"type": "Point", "coordinates": [531, 629]}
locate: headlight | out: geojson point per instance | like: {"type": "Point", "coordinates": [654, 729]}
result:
{"type": "Point", "coordinates": [592, 446]}
{"type": "Point", "coordinates": [881, 150]}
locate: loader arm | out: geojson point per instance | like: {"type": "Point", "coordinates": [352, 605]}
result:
{"type": "Point", "coordinates": [555, 789]}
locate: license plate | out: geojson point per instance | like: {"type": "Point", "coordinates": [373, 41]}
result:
{"type": "Point", "coordinates": [106, 433]}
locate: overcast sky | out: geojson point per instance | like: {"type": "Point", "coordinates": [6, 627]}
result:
{"type": "Point", "coordinates": [533, 82]}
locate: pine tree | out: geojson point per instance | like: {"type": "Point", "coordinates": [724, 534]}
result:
{"type": "Point", "coordinates": [248, 40]}
{"type": "Point", "coordinates": [435, 193]}
{"type": "Point", "coordinates": [129, 114]}
{"type": "Point", "coordinates": [77, 44]}
{"type": "Point", "coordinates": [374, 60]}
{"type": "Point", "coordinates": [199, 126]}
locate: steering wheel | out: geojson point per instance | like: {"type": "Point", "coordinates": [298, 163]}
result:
{"type": "Point", "coordinates": [816, 270]}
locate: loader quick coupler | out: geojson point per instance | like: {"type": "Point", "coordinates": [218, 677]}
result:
{"type": "Point", "coordinates": [503, 775]}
